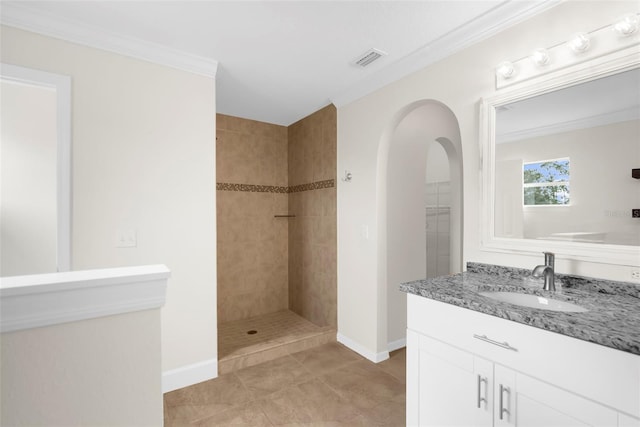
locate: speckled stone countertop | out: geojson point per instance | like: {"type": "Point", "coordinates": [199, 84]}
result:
{"type": "Point", "coordinates": [612, 319]}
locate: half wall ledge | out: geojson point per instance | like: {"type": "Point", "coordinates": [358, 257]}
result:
{"type": "Point", "coordinates": [48, 299]}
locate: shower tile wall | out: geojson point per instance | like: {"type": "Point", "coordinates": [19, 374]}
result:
{"type": "Point", "coordinates": [266, 264]}
{"type": "Point", "coordinates": [252, 244]}
{"type": "Point", "coordinates": [312, 234]}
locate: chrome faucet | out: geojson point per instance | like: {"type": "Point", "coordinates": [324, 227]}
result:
{"type": "Point", "coordinates": [547, 271]}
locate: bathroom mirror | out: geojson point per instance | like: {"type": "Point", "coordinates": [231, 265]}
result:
{"type": "Point", "coordinates": [557, 164]}
{"type": "Point", "coordinates": [35, 196]}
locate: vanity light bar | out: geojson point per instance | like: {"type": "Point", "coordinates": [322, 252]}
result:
{"type": "Point", "coordinates": [540, 57]}
{"type": "Point", "coordinates": [627, 25]}
{"type": "Point", "coordinates": [624, 33]}
{"type": "Point", "coordinates": [579, 43]}
{"type": "Point", "coordinates": [506, 69]}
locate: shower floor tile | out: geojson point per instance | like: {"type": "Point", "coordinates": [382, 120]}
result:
{"type": "Point", "coordinates": [248, 342]}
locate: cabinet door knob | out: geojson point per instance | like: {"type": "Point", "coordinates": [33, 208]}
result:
{"type": "Point", "coordinates": [502, 409]}
{"type": "Point", "coordinates": [480, 398]}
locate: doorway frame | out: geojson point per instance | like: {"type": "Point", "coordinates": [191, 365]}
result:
{"type": "Point", "coordinates": [62, 85]}
{"type": "Point", "coordinates": [450, 140]}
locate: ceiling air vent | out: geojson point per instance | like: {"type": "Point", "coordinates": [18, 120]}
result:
{"type": "Point", "coordinates": [368, 57]}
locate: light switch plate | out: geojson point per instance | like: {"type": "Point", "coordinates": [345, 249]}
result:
{"type": "Point", "coordinates": [126, 239]}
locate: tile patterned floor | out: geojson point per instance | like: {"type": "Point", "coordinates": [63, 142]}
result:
{"type": "Point", "coordinates": [327, 385]}
{"type": "Point", "coordinates": [276, 335]}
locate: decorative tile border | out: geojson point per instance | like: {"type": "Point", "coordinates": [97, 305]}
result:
{"type": "Point", "coordinates": [318, 185]}
{"type": "Point", "coordinates": [226, 186]}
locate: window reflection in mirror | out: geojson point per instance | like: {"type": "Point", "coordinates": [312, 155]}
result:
{"type": "Point", "coordinates": [546, 183]}
{"type": "Point", "coordinates": [597, 126]}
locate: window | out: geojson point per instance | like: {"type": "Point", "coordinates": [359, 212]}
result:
{"type": "Point", "coordinates": [546, 182]}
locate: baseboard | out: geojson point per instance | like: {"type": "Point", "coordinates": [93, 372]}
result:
{"type": "Point", "coordinates": [361, 350]}
{"type": "Point", "coordinates": [397, 344]}
{"type": "Point", "coordinates": [208, 369]}
{"type": "Point", "coordinates": [189, 375]}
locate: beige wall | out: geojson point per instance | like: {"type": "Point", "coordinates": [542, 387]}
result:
{"type": "Point", "coordinates": [266, 264]}
{"type": "Point", "coordinates": [252, 243]}
{"type": "Point", "coordinates": [406, 232]}
{"type": "Point", "coordinates": [459, 82]}
{"type": "Point", "coordinates": [312, 234]}
{"type": "Point", "coordinates": [143, 148]}
{"type": "Point", "coordinates": [101, 371]}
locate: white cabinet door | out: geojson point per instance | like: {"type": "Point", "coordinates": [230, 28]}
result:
{"type": "Point", "coordinates": [527, 402]}
{"type": "Point", "coordinates": [598, 373]}
{"type": "Point", "coordinates": [447, 386]}
{"type": "Point", "coordinates": [568, 382]}
{"type": "Point", "coordinates": [454, 387]}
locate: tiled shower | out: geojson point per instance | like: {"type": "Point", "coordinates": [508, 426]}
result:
{"type": "Point", "coordinates": [276, 208]}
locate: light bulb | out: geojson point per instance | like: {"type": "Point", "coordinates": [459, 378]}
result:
{"type": "Point", "coordinates": [579, 43]}
{"type": "Point", "coordinates": [540, 57]}
{"type": "Point", "coordinates": [626, 25]}
{"type": "Point", "coordinates": [506, 69]}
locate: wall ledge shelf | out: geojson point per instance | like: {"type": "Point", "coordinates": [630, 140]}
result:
{"type": "Point", "coordinates": [48, 299]}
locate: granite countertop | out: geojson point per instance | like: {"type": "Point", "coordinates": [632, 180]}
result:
{"type": "Point", "coordinates": [612, 319]}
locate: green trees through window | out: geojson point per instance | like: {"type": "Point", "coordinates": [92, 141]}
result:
{"type": "Point", "coordinates": [546, 182]}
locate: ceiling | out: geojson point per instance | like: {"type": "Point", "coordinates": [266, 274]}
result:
{"type": "Point", "coordinates": [598, 102]}
{"type": "Point", "coordinates": [279, 61]}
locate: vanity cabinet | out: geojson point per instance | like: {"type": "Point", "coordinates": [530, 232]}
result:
{"type": "Point", "coordinates": [450, 387]}
{"type": "Point", "coordinates": [470, 369]}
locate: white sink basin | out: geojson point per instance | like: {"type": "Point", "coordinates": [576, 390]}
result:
{"type": "Point", "coordinates": [534, 301]}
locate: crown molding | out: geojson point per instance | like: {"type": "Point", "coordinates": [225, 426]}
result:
{"type": "Point", "coordinates": [26, 18]}
{"type": "Point", "coordinates": [623, 115]}
{"type": "Point", "coordinates": [481, 28]}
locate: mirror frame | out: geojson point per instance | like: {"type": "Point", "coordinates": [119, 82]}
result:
{"type": "Point", "coordinates": [617, 62]}
{"type": "Point", "coordinates": [62, 85]}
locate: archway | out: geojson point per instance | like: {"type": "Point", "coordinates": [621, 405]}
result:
{"type": "Point", "coordinates": [402, 207]}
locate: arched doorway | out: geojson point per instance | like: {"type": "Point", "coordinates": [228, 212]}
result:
{"type": "Point", "coordinates": [423, 137]}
